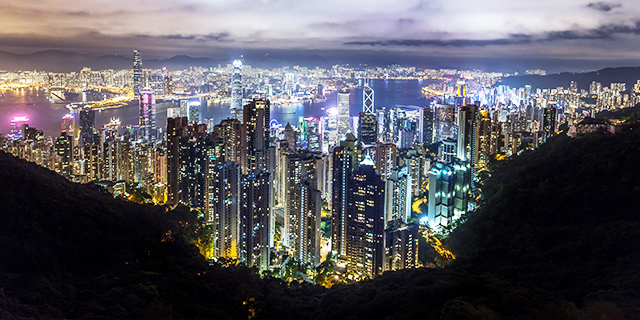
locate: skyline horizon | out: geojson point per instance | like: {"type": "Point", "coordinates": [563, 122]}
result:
{"type": "Point", "coordinates": [305, 58]}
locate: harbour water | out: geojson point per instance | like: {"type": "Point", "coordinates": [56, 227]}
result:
{"type": "Point", "coordinates": [45, 115]}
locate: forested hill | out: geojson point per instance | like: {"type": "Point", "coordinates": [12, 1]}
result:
{"type": "Point", "coordinates": [556, 239]}
{"type": "Point", "coordinates": [72, 251]}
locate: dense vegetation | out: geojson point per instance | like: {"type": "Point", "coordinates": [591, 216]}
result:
{"type": "Point", "coordinates": [555, 239]}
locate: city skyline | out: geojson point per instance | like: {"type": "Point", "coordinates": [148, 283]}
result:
{"type": "Point", "coordinates": [586, 34]}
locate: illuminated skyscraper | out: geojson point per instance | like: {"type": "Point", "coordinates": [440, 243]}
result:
{"type": "Point", "coordinates": [236, 90]}
{"type": "Point", "coordinates": [448, 192]}
{"type": "Point", "coordinates": [367, 128]}
{"type": "Point", "coordinates": [401, 245]}
{"type": "Point", "coordinates": [256, 121]}
{"type": "Point", "coordinates": [224, 182]}
{"type": "Point", "coordinates": [186, 162]}
{"type": "Point", "coordinates": [365, 220]}
{"type": "Point", "coordinates": [444, 121]}
{"type": "Point", "coordinates": [425, 126]}
{"type": "Point", "coordinates": [255, 211]}
{"type": "Point", "coordinates": [346, 158]}
{"type": "Point", "coordinates": [398, 195]}
{"type": "Point", "coordinates": [63, 154]}
{"type": "Point", "coordinates": [147, 115]}
{"type": "Point", "coordinates": [343, 113]}
{"type": "Point", "coordinates": [87, 125]}
{"type": "Point", "coordinates": [137, 73]}
{"type": "Point", "coordinates": [367, 99]}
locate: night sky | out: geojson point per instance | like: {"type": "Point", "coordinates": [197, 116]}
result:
{"type": "Point", "coordinates": [457, 29]}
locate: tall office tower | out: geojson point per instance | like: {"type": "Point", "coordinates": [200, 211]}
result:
{"type": "Point", "coordinates": [291, 136]}
{"type": "Point", "coordinates": [256, 122]}
{"type": "Point", "coordinates": [418, 167]}
{"type": "Point", "coordinates": [331, 137]}
{"type": "Point", "coordinates": [367, 99]}
{"type": "Point", "coordinates": [223, 208]}
{"type": "Point", "coordinates": [307, 246]}
{"type": "Point", "coordinates": [425, 126]}
{"type": "Point", "coordinates": [448, 150]}
{"type": "Point", "coordinates": [125, 162]}
{"type": "Point", "coordinates": [310, 136]}
{"type": "Point", "coordinates": [147, 115]}
{"type": "Point", "coordinates": [297, 167]}
{"type": "Point", "coordinates": [444, 122]}
{"type": "Point", "coordinates": [365, 220]}
{"type": "Point", "coordinates": [137, 73]}
{"type": "Point", "coordinates": [448, 192]}
{"type": "Point", "coordinates": [236, 90]}
{"type": "Point", "coordinates": [468, 142]}
{"type": "Point", "coordinates": [231, 132]}
{"type": "Point", "coordinates": [346, 158]}
{"type": "Point", "coordinates": [367, 128]}
{"type": "Point", "coordinates": [343, 113]}
{"type": "Point", "coordinates": [405, 138]}
{"type": "Point", "coordinates": [186, 162]}
{"type": "Point", "coordinates": [69, 124]}
{"type": "Point", "coordinates": [87, 125]}
{"type": "Point", "coordinates": [255, 213]}
{"type": "Point", "coordinates": [550, 120]}
{"type": "Point", "coordinates": [398, 196]}
{"type": "Point", "coordinates": [401, 245]}
{"type": "Point", "coordinates": [484, 141]}
{"type": "Point", "coordinates": [386, 159]}
{"type": "Point", "coordinates": [91, 157]}
{"type": "Point", "coordinates": [63, 154]}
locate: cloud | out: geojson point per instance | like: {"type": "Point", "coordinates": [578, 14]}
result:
{"type": "Point", "coordinates": [605, 32]}
{"type": "Point", "coordinates": [604, 6]}
{"type": "Point", "coordinates": [512, 39]}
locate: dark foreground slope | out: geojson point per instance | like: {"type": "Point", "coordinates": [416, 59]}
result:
{"type": "Point", "coordinates": [558, 238]}
{"type": "Point", "coordinates": [71, 251]}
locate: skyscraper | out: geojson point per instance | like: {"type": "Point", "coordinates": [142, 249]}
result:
{"type": "Point", "coordinates": [367, 99]}
{"type": "Point", "coordinates": [367, 128]}
{"type": "Point", "coordinates": [398, 195]}
{"type": "Point", "coordinates": [346, 158]}
{"type": "Point", "coordinates": [365, 220]}
{"type": "Point", "coordinates": [137, 73]}
{"type": "Point", "coordinates": [256, 121]}
{"type": "Point", "coordinates": [63, 154]}
{"type": "Point", "coordinates": [255, 212]}
{"type": "Point", "coordinates": [147, 115]}
{"type": "Point", "coordinates": [448, 192]}
{"type": "Point", "coordinates": [87, 125]}
{"type": "Point", "coordinates": [425, 126]}
{"type": "Point", "coordinates": [236, 90]}
{"type": "Point", "coordinates": [223, 206]}
{"type": "Point", "coordinates": [187, 159]}
{"type": "Point", "coordinates": [401, 245]}
{"type": "Point", "coordinates": [343, 113]}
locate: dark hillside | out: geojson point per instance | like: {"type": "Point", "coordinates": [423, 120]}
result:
{"type": "Point", "coordinates": [72, 251]}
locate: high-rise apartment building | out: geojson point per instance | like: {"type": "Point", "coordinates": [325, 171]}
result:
{"type": "Point", "coordinates": [365, 220]}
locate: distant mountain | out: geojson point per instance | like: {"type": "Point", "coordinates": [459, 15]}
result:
{"type": "Point", "coordinates": [628, 75]}
{"type": "Point", "coordinates": [63, 61]}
